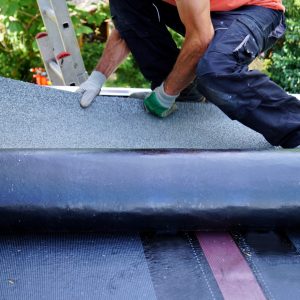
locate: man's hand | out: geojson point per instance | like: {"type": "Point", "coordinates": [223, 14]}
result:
{"type": "Point", "coordinates": [114, 53]}
{"type": "Point", "coordinates": [159, 103]}
{"type": "Point", "coordinates": [91, 88]}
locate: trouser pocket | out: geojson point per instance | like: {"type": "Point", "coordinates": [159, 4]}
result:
{"type": "Point", "coordinates": [247, 50]}
{"type": "Point", "coordinates": [276, 34]}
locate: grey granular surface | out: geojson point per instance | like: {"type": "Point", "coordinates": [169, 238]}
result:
{"type": "Point", "coordinates": [39, 117]}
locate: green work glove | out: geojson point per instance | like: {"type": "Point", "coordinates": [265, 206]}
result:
{"type": "Point", "coordinates": [159, 103]}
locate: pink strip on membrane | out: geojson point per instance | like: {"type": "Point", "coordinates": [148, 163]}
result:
{"type": "Point", "coordinates": [231, 271]}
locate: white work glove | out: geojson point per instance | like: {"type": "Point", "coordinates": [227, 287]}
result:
{"type": "Point", "coordinates": [91, 88]}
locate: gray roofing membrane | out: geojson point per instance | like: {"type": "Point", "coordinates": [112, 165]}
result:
{"type": "Point", "coordinates": [39, 117]}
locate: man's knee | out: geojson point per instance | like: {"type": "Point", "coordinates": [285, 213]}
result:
{"type": "Point", "coordinates": [211, 69]}
{"type": "Point", "coordinates": [215, 91]}
{"type": "Point", "coordinates": [216, 63]}
{"type": "Point", "coordinates": [135, 18]}
{"type": "Point", "coordinates": [219, 82]}
{"type": "Point", "coordinates": [124, 13]}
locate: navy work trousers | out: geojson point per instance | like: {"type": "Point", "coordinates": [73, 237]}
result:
{"type": "Point", "coordinates": [222, 73]}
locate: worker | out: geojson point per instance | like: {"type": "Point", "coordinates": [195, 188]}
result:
{"type": "Point", "coordinates": [221, 39]}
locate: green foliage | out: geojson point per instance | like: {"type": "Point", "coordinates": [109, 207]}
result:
{"type": "Point", "coordinates": [283, 64]}
{"type": "Point", "coordinates": [85, 22]}
{"type": "Point", "coordinates": [20, 21]}
{"type": "Point", "coordinates": [177, 38]}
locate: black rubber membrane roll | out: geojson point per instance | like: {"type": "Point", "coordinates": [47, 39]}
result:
{"type": "Point", "coordinates": [69, 190]}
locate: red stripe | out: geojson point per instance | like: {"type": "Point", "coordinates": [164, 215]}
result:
{"type": "Point", "coordinates": [231, 271]}
{"type": "Point", "coordinates": [173, 2]}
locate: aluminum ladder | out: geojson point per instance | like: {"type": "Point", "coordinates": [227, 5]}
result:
{"type": "Point", "coordinates": [58, 46]}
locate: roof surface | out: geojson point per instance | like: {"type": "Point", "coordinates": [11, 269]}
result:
{"type": "Point", "coordinates": [39, 117]}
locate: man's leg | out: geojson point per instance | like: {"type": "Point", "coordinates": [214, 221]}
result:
{"type": "Point", "coordinates": [249, 96]}
{"type": "Point", "coordinates": [142, 25]}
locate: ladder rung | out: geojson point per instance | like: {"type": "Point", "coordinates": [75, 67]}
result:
{"type": "Point", "coordinates": [41, 35]}
{"type": "Point", "coordinates": [63, 55]}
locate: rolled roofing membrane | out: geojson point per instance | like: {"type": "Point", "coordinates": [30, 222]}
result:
{"type": "Point", "coordinates": [106, 190]}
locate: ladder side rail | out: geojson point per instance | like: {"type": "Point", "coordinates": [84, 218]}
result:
{"type": "Point", "coordinates": [48, 58]}
{"type": "Point", "coordinates": [68, 36]}
{"type": "Point", "coordinates": [56, 42]}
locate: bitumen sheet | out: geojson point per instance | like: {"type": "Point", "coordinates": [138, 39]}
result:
{"type": "Point", "coordinates": [39, 117]}
{"type": "Point", "coordinates": [275, 261]}
{"type": "Point", "coordinates": [250, 265]}
{"type": "Point", "coordinates": [65, 267]}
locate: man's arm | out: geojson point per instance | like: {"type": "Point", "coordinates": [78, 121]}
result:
{"type": "Point", "coordinates": [195, 15]}
{"type": "Point", "coordinates": [113, 55]}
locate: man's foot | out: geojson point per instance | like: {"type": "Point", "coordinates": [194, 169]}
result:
{"type": "Point", "coordinates": [189, 94]}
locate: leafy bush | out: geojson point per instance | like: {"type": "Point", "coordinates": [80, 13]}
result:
{"type": "Point", "coordinates": [283, 64]}
{"type": "Point", "coordinates": [20, 21]}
